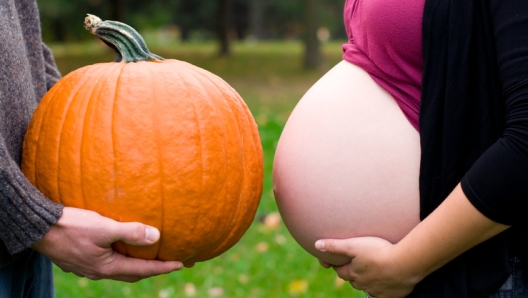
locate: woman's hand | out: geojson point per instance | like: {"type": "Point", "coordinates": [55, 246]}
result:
{"type": "Point", "coordinates": [385, 270]}
{"type": "Point", "coordinates": [80, 242]}
{"type": "Point", "coordinates": [372, 268]}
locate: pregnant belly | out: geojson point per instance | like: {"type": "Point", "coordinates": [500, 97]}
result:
{"type": "Point", "coordinates": [347, 164]}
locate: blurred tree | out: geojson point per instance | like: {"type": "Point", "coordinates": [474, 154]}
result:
{"type": "Point", "coordinates": [185, 17]}
{"type": "Point", "coordinates": [313, 57]}
{"type": "Point", "coordinates": [223, 27]}
{"type": "Point", "coordinates": [240, 18]}
{"type": "Point", "coordinates": [62, 20]}
{"type": "Point", "coordinates": [117, 10]}
{"type": "Point", "coordinates": [256, 14]}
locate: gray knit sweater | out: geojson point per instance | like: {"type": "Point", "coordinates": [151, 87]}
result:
{"type": "Point", "coordinates": [27, 71]}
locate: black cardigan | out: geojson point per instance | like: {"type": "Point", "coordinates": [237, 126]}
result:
{"type": "Point", "coordinates": [474, 130]}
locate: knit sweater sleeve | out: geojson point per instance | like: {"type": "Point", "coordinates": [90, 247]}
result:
{"type": "Point", "coordinates": [52, 72]}
{"type": "Point", "coordinates": [497, 184]}
{"type": "Point", "coordinates": [27, 70]}
{"type": "Point", "coordinates": [26, 215]}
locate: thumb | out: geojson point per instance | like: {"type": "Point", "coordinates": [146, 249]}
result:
{"type": "Point", "coordinates": [135, 233]}
{"type": "Point", "coordinates": [336, 246]}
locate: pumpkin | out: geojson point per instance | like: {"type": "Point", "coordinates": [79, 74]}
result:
{"type": "Point", "coordinates": [162, 142]}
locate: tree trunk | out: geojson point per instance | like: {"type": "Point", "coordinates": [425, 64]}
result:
{"type": "Point", "coordinates": [223, 27]}
{"type": "Point", "coordinates": [313, 57]}
{"type": "Point", "coordinates": [59, 30]}
{"type": "Point", "coordinates": [256, 19]}
{"type": "Point", "coordinates": [118, 10]}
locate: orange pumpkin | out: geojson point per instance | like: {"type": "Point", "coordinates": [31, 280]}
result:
{"type": "Point", "coordinates": [144, 139]}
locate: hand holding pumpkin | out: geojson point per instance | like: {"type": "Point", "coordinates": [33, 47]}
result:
{"type": "Point", "coordinates": [373, 267]}
{"type": "Point", "coordinates": [81, 242]}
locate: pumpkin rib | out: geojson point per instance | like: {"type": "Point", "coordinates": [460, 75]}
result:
{"type": "Point", "coordinates": [44, 112]}
{"type": "Point", "coordinates": [177, 111]}
{"type": "Point", "coordinates": [229, 239]}
{"type": "Point", "coordinates": [71, 99]}
{"type": "Point", "coordinates": [220, 244]}
{"type": "Point", "coordinates": [160, 164]}
{"type": "Point", "coordinates": [206, 95]}
{"type": "Point", "coordinates": [113, 133]}
{"type": "Point", "coordinates": [123, 248]}
{"type": "Point", "coordinates": [249, 122]}
{"type": "Point", "coordinates": [201, 152]}
{"type": "Point", "coordinates": [231, 209]}
{"type": "Point", "coordinates": [42, 147]}
{"type": "Point", "coordinates": [33, 133]}
{"type": "Point", "coordinates": [97, 72]}
{"type": "Point", "coordinates": [204, 253]}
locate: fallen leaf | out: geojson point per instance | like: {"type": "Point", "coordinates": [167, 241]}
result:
{"type": "Point", "coordinates": [280, 239]}
{"type": "Point", "coordinates": [262, 247]}
{"type": "Point", "coordinates": [83, 282]}
{"type": "Point", "coordinates": [272, 220]}
{"type": "Point", "coordinates": [166, 293]}
{"type": "Point", "coordinates": [190, 289]}
{"type": "Point", "coordinates": [298, 287]}
{"type": "Point", "coordinates": [126, 291]}
{"type": "Point", "coordinates": [215, 292]}
{"type": "Point", "coordinates": [243, 279]}
{"type": "Point", "coordinates": [339, 282]}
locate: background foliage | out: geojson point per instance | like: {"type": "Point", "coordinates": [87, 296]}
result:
{"type": "Point", "coordinates": [193, 19]}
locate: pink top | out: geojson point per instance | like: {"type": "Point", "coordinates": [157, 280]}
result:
{"type": "Point", "coordinates": [385, 39]}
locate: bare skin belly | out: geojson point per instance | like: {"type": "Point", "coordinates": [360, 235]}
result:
{"type": "Point", "coordinates": [347, 164]}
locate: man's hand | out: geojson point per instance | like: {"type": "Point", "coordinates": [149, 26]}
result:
{"type": "Point", "coordinates": [80, 242]}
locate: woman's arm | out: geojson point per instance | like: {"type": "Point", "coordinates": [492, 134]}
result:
{"type": "Point", "coordinates": [386, 270]}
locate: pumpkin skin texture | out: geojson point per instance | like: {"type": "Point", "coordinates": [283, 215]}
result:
{"type": "Point", "coordinates": [160, 142]}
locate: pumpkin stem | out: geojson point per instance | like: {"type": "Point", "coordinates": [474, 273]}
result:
{"type": "Point", "coordinates": [127, 43]}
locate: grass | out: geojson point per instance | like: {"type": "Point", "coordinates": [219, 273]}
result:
{"type": "Point", "coordinates": [266, 262]}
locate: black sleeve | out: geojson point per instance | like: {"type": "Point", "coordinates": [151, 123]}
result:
{"type": "Point", "coordinates": [497, 184]}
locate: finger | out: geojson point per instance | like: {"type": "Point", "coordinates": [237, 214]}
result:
{"type": "Point", "coordinates": [343, 247]}
{"type": "Point", "coordinates": [324, 264]}
{"type": "Point", "coordinates": [139, 268]}
{"type": "Point", "coordinates": [134, 233]}
{"type": "Point", "coordinates": [344, 273]}
{"type": "Point", "coordinates": [359, 286]}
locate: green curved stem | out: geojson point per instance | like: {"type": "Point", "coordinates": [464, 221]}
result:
{"type": "Point", "coordinates": [123, 39]}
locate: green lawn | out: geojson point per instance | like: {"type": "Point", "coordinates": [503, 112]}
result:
{"type": "Point", "coordinates": [266, 262]}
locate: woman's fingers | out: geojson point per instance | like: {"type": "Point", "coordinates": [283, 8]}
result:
{"type": "Point", "coordinates": [336, 246]}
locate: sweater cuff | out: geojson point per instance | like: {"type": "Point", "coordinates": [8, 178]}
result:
{"type": "Point", "coordinates": [26, 214]}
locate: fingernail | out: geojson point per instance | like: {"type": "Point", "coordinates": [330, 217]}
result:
{"type": "Point", "coordinates": [320, 245]}
{"type": "Point", "coordinates": [152, 234]}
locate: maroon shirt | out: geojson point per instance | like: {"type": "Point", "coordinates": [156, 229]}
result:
{"type": "Point", "coordinates": [385, 39]}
